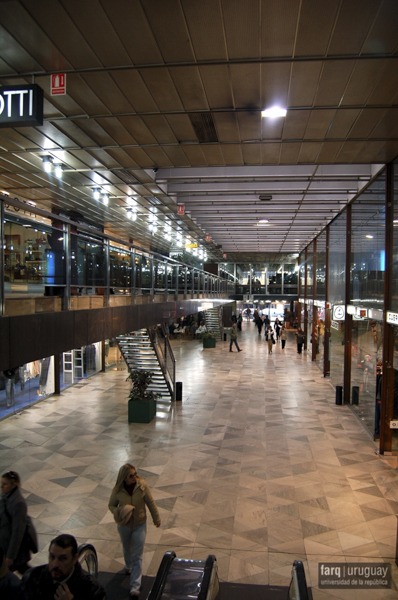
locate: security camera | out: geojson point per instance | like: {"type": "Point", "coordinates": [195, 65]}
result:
{"type": "Point", "coordinates": [155, 169]}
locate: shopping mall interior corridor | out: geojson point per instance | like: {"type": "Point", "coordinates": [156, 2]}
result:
{"type": "Point", "coordinates": [257, 465]}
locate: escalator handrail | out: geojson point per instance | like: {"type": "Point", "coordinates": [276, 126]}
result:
{"type": "Point", "coordinates": [161, 576]}
{"type": "Point", "coordinates": [85, 550]}
{"type": "Point", "coordinates": [207, 571]}
{"type": "Point", "coordinates": [298, 569]}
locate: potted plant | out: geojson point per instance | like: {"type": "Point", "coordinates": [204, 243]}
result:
{"type": "Point", "coordinates": [209, 340]}
{"type": "Point", "coordinates": [141, 402]}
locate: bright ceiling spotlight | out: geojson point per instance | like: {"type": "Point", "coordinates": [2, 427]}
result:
{"type": "Point", "coordinates": [274, 112]}
{"type": "Point", "coordinates": [96, 193]}
{"type": "Point", "coordinates": [105, 198]}
{"type": "Point", "coordinates": [58, 169]}
{"type": "Point", "coordinates": [370, 237]}
{"type": "Point", "coordinates": [47, 164]}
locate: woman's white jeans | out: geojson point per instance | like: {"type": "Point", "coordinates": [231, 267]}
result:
{"type": "Point", "coordinates": [133, 541]}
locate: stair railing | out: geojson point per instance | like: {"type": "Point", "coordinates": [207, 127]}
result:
{"type": "Point", "coordinates": [165, 356]}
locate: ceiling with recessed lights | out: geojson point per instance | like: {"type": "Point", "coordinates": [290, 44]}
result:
{"type": "Point", "coordinates": [163, 108]}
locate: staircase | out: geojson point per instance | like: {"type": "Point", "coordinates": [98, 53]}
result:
{"type": "Point", "coordinates": [140, 352]}
{"type": "Point", "coordinates": [212, 320]}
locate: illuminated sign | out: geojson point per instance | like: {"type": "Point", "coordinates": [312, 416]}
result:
{"type": "Point", "coordinates": [392, 318]}
{"type": "Point", "coordinates": [181, 209]}
{"type": "Point", "coordinates": [338, 312]}
{"type": "Point", "coordinates": [21, 105]}
{"type": "Point", "coordinates": [191, 245]}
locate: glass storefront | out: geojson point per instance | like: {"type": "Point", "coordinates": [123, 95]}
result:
{"type": "Point", "coordinates": [337, 274]}
{"type": "Point", "coordinates": [34, 381]}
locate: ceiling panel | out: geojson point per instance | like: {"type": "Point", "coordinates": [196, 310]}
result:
{"type": "Point", "coordinates": [166, 17]}
{"type": "Point", "coordinates": [245, 82]}
{"type": "Point", "coordinates": [57, 24]}
{"type": "Point", "coordinates": [278, 27]}
{"type": "Point", "coordinates": [162, 88]}
{"type": "Point", "coordinates": [217, 84]}
{"type": "Point", "coordinates": [316, 23]}
{"type": "Point", "coordinates": [304, 83]}
{"type": "Point", "coordinates": [206, 29]}
{"type": "Point", "coordinates": [127, 107]}
{"type": "Point", "coordinates": [242, 27]}
{"type": "Point", "coordinates": [353, 23]}
{"type": "Point", "coordinates": [129, 20]}
{"type": "Point", "coordinates": [363, 79]}
{"type": "Point", "coordinates": [189, 88]}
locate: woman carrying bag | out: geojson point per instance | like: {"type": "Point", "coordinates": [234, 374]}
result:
{"type": "Point", "coordinates": [269, 336]}
{"type": "Point", "coordinates": [127, 503]}
{"type": "Point", "coordinates": [13, 521]}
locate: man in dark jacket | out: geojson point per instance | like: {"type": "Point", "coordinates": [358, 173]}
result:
{"type": "Point", "coordinates": [63, 578]}
{"type": "Point", "coordinates": [10, 584]}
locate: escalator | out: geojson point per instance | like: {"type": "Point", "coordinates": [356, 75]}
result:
{"type": "Point", "coordinates": [182, 579]}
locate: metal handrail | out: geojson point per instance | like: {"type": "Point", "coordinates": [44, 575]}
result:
{"type": "Point", "coordinates": [166, 360]}
{"type": "Point", "coordinates": [87, 557]}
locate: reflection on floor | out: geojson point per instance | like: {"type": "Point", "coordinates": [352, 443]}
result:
{"type": "Point", "coordinates": [257, 465]}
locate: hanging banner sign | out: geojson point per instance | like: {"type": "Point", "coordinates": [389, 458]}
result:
{"type": "Point", "coordinates": [58, 84]}
{"type": "Point", "coordinates": [180, 209]}
{"type": "Point", "coordinates": [207, 238]}
{"type": "Point", "coordinates": [224, 255]}
{"type": "Point", "coordinates": [21, 105]}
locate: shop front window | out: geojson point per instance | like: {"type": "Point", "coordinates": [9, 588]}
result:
{"type": "Point", "coordinates": [79, 363]}
{"type": "Point", "coordinates": [87, 262]}
{"type": "Point", "coordinates": [367, 348]}
{"type": "Point", "coordinates": [34, 258]}
{"type": "Point", "coordinates": [25, 385]}
{"type": "Point", "coordinates": [120, 268]}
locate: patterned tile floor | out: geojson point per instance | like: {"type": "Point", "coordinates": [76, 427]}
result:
{"type": "Point", "coordinates": [257, 465]}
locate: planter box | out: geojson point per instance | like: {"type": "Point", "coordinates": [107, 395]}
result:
{"type": "Point", "coordinates": [209, 343]}
{"type": "Point", "coordinates": [141, 411]}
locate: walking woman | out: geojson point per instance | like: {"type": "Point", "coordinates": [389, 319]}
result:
{"type": "Point", "coordinates": [13, 513]}
{"type": "Point", "coordinates": [128, 502]}
{"type": "Point", "coordinates": [300, 339]}
{"type": "Point", "coordinates": [269, 336]}
{"type": "Point", "coordinates": [283, 336]}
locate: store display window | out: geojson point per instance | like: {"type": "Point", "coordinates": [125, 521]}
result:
{"type": "Point", "coordinates": [25, 385]}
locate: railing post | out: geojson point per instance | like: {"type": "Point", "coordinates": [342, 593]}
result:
{"type": "Point", "coordinates": [68, 267]}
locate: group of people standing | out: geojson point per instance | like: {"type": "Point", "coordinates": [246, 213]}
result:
{"type": "Point", "coordinates": [63, 578]}
{"type": "Point", "coordinates": [273, 335]}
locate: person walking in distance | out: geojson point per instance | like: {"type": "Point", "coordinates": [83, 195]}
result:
{"type": "Point", "coordinates": [283, 336]}
{"type": "Point", "coordinates": [300, 339]}
{"type": "Point", "coordinates": [233, 338]}
{"type": "Point", "coordinates": [269, 336]}
{"type": "Point", "coordinates": [127, 503]}
{"type": "Point", "coordinates": [13, 515]}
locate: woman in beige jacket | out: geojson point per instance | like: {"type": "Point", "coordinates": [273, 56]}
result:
{"type": "Point", "coordinates": [127, 503]}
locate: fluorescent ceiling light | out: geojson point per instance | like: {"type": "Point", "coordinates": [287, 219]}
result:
{"type": "Point", "coordinates": [274, 112]}
{"type": "Point", "coordinates": [370, 237]}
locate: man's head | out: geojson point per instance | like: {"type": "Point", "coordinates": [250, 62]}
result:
{"type": "Point", "coordinates": [62, 556]}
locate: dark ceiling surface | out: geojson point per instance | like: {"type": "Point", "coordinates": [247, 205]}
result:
{"type": "Point", "coordinates": [163, 107]}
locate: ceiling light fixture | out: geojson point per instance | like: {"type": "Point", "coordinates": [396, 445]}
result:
{"type": "Point", "coordinates": [105, 198]}
{"type": "Point", "coordinates": [370, 237]}
{"type": "Point", "coordinates": [96, 193]}
{"type": "Point", "coordinates": [48, 164]}
{"type": "Point", "coordinates": [265, 197]}
{"type": "Point", "coordinates": [58, 169]}
{"type": "Point", "coordinates": [274, 112]}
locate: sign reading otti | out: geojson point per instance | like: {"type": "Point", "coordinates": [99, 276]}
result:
{"type": "Point", "coordinates": [21, 105]}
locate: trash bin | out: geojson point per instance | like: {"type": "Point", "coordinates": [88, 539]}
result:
{"type": "Point", "coordinates": [339, 394]}
{"type": "Point", "coordinates": [178, 391]}
{"type": "Point", "coordinates": [225, 337]}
